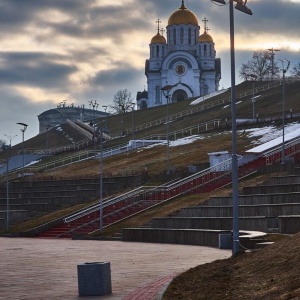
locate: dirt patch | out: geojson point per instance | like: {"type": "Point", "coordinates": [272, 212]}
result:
{"type": "Point", "coordinates": [270, 273]}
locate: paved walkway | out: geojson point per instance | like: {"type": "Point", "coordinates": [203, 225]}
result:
{"type": "Point", "coordinates": [47, 268]}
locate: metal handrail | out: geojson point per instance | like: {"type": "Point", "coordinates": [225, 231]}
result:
{"type": "Point", "coordinates": [218, 171]}
{"type": "Point", "coordinates": [152, 189]}
{"type": "Point", "coordinates": [90, 154]}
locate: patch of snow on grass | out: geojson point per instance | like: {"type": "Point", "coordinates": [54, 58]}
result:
{"type": "Point", "coordinates": [186, 140]}
{"type": "Point", "coordinates": [203, 98]}
{"type": "Point", "coordinates": [269, 133]}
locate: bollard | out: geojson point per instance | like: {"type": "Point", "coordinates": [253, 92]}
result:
{"type": "Point", "coordinates": [94, 279]}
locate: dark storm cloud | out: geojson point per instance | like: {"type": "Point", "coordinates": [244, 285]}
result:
{"type": "Point", "coordinates": [20, 11]}
{"type": "Point", "coordinates": [118, 76]}
{"type": "Point", "coordinates": [88, 54]}
{"type": "Point", "coordinates": [33, 69]}
{"type": "Point", "coordinates": [16, 107]}
{"type": "Point", "coordinates": [112, 22]}
{"type": "Point", "coordinates": [269, 17]}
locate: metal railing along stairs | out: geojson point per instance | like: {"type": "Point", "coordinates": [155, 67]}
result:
{"type": "Point", "coordinates": [148, 196]}
{"type": "Point", "coordinates": [216, 176]}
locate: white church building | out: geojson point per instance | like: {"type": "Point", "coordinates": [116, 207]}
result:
{"type": "Point", "coordinates": [185, 61]}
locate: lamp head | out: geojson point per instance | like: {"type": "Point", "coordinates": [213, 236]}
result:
{"type": "Point", "coordinates": [243, 8]}
{"type": "Point", "coordinates": [219, 1]}
{"type": "Point", "coordinates": [25, 126]}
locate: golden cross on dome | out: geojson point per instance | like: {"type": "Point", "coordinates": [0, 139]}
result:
{"type": "Point", "coordinates": [205, 25]}
{"type": "Point", "coordinates": [158, 22]}
{"type": "Point", "coordinates": [162, 31]}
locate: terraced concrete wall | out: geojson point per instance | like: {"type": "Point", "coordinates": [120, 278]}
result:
{"type": "Point", "coordinates": [251, 223]}
{"type": "Point", "coordinates": [173, 236]}
{"type": "Point", "coordinates": [272, 210]}
{"type": "Point", "coordinates": [268, 189]}
{"type": "Point", "coordinates": [256, 199]}
{"type": "Point", "coordinates": [289, 224]}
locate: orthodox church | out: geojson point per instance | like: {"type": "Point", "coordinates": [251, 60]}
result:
{"type": "Point", "coordinates": [183, 64]}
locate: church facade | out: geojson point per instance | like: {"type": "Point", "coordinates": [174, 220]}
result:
{"type": "Point", "coordinates": [182, 65]}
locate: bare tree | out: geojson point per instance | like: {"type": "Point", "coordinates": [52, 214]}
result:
{"type": "Point", "coordinates": [122, 102]}
{"type": "Point", "coordinates": [296, 70]}
{"type": "Point", "coordinates": [262, 65]}
{"type": "Point", "coordinates": [2, 145]}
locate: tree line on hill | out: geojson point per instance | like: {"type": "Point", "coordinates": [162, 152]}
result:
{"type": "Point", "coordinates": [262, 66]}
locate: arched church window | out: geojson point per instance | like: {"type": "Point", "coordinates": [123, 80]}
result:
{"type": "Point", "coordinates": [210, 50]}
{"type": "Point", "coordinates": [181, 35]}
{"type": "Point", "coordinates": [205, 50]}
{"type": "Point", "coordinates": [153, 50]}
{"type": "Point", "coordinates": [190, 36]}
{"type": "Point", "coordinates": [143, 105]}
{"type": "Point", "coordinates": [157, 51]}
{"type": "Point", "coordinates": [174, 36]}
{"type": "Point", "coordinates": [157, 94]}
{"type": "Point", "coordinates": [205, 89]}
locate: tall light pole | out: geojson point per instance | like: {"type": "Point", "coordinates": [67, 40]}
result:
{"type": "Point", "coordinates": [241, 6]}
{"type": "Point", "coordinates": [7, 178]}
{"type": "Point", "coordinates": [94, 104]}
{"type": "Point", "coordinates": [272, 60]}
{"type": "Point", "coordinates": [23, 131]}
{"type": "Point", "coordinates": [122, 117]}
{"type": "Point", "coordinates": [102, 130]}
{"type": "Point", "coordinates": [105, 108]}
{"type": "Point", "coordinates": [132, 124]}
{"type": "Point", "coordinates": [166, 91]}
{"type": "Point", "coordinates": [284, 70]}
{"type": "Point", "coordinates": [10, 138]}
{"type": "Point", "coordinates": [253, 99]}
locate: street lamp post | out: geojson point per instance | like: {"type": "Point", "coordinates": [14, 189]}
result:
{"type": "Point", "coordinates": [47, 140]}
{"type": "Point", "coordinates": [7, 178]}
{"type": "Point", "coordinates": [241, 6]}
{"type": "Point", "coordinates": [253, 77]}
{"type": "Point", "coordinates": [10, 138]}
{"type": "Point", "coordinates": [102, 130]}
{"type": "Point", "coordinates": [94, 104]}
{"type": "Point", "coordinates": [284, 70]}
{"type": "Point", "coordinates": [122, 117]}
{"type": "Point", "coordinates": [166, 91]}
{"type": "Point", "coordinates": [272, 60]}
{"type": "Point", "coordinates": [132, 124]}
{"type": "Point", "coordinates": [105, 108]}
{"type": "Point", "coordinates": [23, 131]}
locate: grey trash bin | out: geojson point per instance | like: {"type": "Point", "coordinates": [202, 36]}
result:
{"type": "Point", "coordinates": [94, 279]}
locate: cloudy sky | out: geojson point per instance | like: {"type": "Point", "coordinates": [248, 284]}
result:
{"type": "Point", "coordinates": [79, 50]}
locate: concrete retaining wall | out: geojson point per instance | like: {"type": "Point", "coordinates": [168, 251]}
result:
{"type": "Point", "coordinates": [284, 179]}
{"type": "Point", "coordinates": [255, 199]}
{"type": "Point", "coordinates": [289, 224]}
{"type": "Point", "coordinates": [38, 197]}
{"type": "Point", "coordinates": [272, 210]}
{"type": "Point", "coordinates": [251, 223]}
{"type": "Point", "coordinates": [15, 216]}
{"type": "Point", "coordinates": [208, 238]}
{"type": "Point", "coordinates": [268, 189]}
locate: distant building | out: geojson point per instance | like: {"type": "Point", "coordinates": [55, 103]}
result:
{"type": "Point", "coordinates": [56, 116]}
{"type": "Point", "coordinates": [185, 61]}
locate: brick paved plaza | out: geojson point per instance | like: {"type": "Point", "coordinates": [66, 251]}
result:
{"type": "Point", "coordinates": [47, 268]}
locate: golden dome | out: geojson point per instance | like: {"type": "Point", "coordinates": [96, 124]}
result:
{"type": "Point", "coordinates": [183, 16]}
{"type": "Point", "coordinates": [205, 38]}
{"type": "Point", "coordinates": [158, 39]}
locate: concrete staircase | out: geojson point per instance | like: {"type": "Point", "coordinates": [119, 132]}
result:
{"type": "Point", "coordinates": [28, 199]}
{"type": "Point", "coordinates": [272, 207]}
